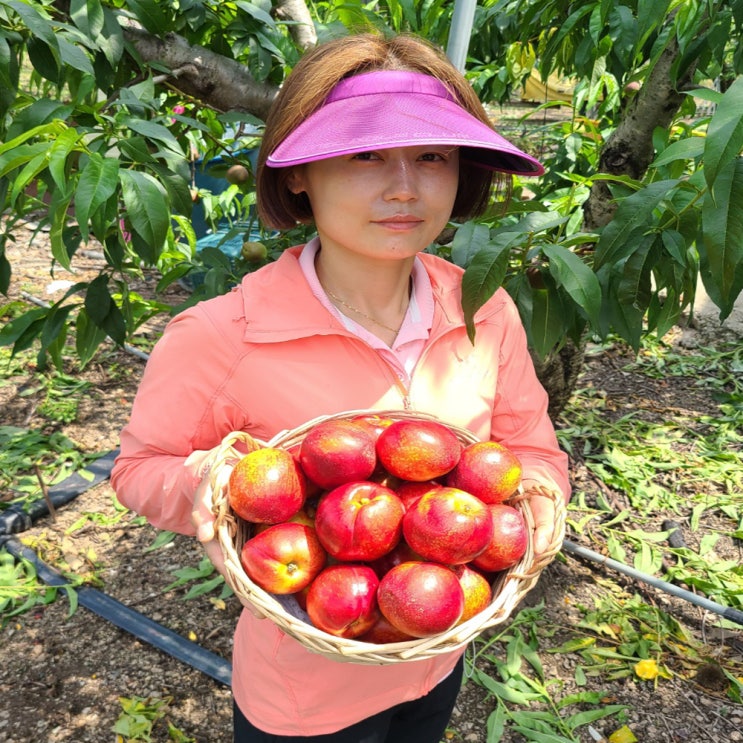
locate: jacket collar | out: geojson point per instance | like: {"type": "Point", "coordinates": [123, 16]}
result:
{"type": "Point", "coordinates": [296, 313]}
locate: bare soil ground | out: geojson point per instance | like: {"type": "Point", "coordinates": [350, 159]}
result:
{"type": "Point", "coordinates": [62, 675]}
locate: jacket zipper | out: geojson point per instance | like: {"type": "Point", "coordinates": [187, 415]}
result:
{"type": "Point", "coordinates": [404, 393]}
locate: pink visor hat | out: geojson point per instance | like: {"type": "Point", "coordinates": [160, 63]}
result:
{"type": "Point", "coordinates": [395, 108]}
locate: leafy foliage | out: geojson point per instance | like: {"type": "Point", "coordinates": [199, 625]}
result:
{"type": "Point", "coordinates": [21, 591]}
{"type": "Point", "coordinates": [98, 145]}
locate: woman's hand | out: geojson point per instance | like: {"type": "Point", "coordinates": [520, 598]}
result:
{"type": "Point", "coordinates": [543, 510]}
{"type": "Point", "coordinates": [202, 517]}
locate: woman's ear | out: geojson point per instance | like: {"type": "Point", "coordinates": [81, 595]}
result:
{"type": "Point", "coordinates": [295, 181]}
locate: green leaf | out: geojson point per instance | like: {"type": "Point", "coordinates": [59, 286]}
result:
{"type": "Point", "coordinates": [29, 171]}
{"type": "Point", "coordinates": [256, 12]}
{"type": "Point", "coordinates": [724, 140]}
{"type": "Point", "coordinates": [5, 272]}
{"type": "Point", "coordinates": [203, 588]}
{"type": "Point", "coordinates": [40, 112]}
{"type": "Point", "coordinates": [65, 143]}
{"type": "Point", "coordinates": [721, 249]}
{"type": "Point", "coordinates": [87, 15]}
{"type": "Point", "coordinates": [112, 40]}
{"type": "Point", "coordinates": [496, 724]}
{"type": "Point", "coordinates": [103, 311]}
{"type": "Point", "coordinates": [12, 154]}
{"type": "Point", "coordinates": [179, 193]}
{"type": "Point", "coordinates": [591, 715]}
{"type": "Point", "coordinates": [88, 337]}
{"type": "Point", "coordinates": [16, 329]}
{"type": "Point", "coordinates": [151, 15]}
{"type": "Point", "coordinates": [55, 324]}
{"type": "Point", "coordinates": [632, 214]}
{"type": "Point", "coordinates": [146, 203]}
{"type": "Point", "coordinates": [98, 181]}
{"type": "Point", "coordinates": [689, 148]}
{"type": "Point", "coordinates": [74, 56]}
{"type": "Point", "coordinates": [576, 643]}
{"type": "Point", "coordinates": [547, 328]}
{"type": "Point", "coordinates": [152, 130]}
{"type": "Point", "coordinates": [468, 241]}
{"type": "Point", "coordinates": [537, 737]}
{"type": "Point", "coordinates": [616, 551]}
{"type": "Point", "coordinates": [39, 25]}
{"type": "Point", "coordinates": [45, 59]}
{"type": "Point", "coordinates": [648, 561]}
{"type": "Point", "coordinates": [481, 279]}
{"type": "Point", "coordinates": [71, 598]}
{"type": "Point", "coordinates": [58, 210]}
{"type": "Point", "coordinates": [578, 280]}
{"type": "Point", "coordinates": [503, 691]}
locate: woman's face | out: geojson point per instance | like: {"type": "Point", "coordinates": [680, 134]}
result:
{"type": "Point", "coordinates": [383, 204]}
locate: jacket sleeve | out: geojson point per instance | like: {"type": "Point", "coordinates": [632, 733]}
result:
{"type": "Point", "coordinates": [175, 422]}
{"type": "Point", "coordinates": [520, 419]}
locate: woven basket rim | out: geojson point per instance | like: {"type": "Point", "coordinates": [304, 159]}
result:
{"type": "Point", "coordinates": [509, 586]}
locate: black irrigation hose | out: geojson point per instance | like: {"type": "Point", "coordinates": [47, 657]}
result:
{"type": "Point", "coordinates": [16, 518]}
{"type": "Point", "coordinates": [724, 611]}
{"type": "Point", "coordinates": [142, 627]}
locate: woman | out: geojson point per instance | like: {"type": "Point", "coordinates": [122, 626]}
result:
{"type": "Point", "coordinates": [378, 143]}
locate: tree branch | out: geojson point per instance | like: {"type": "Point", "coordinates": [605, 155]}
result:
{"type": "Point", "coordinates": [220, 82]}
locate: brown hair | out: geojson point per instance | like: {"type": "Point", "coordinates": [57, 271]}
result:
{"type": "Point", "coordinates": [318, 71]}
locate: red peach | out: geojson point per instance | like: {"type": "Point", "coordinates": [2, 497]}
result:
{"type": "Point", "coordinates": [266, 486]}
{"type": "Point", "coordinates": [284, 558]}
{"type": "Point", "coordinates": [418, 450]}
{"type": "Point", "coordinates": [421, 598]}
{"type": "Point", "coordinates": [338, 451]}
{"type": "Point", "coordinates": [509, 542]}
{"type": "Point", "coordinates": [447, 525]}
{"type": "Point", "coordinates": [359, 521]}
{"type": "Point", "coordinates": [488, 470]}
{"type": "Point", "coordinates": [342, 600]}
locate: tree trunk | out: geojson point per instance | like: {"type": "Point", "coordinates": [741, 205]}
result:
{"type": "Point", "coordinates": [218, 81]}
{"type": "Point", "coordinates": [628, 151]}
{"type": "Point", "coordinates": [559, 373]}
{"type": "Point", "coordinates": [302, 28]}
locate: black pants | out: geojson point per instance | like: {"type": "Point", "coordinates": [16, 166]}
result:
{"type": "Point", "coordinates": [421, 720]}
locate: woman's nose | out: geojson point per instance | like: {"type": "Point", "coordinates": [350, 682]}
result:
{"type": "Point", "coordinates": [401, 180]}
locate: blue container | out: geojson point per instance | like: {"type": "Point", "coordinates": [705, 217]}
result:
{"type": "Point", "coordinates": [204, 178]}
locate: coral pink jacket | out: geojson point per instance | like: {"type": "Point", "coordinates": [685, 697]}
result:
{"type": "Point", "coordinates": [268, 357]}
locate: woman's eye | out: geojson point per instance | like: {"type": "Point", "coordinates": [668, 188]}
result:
{"type": "Point", "coordinates": [434, 156]}
{"type": "Point", "coordinates": [364, 156]}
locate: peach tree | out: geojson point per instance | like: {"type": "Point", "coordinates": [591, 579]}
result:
{"type": "Point", "coordinates": [107, 106]}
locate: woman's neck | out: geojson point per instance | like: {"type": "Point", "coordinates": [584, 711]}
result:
{"type": "Point", "coordinates": [375, 294]}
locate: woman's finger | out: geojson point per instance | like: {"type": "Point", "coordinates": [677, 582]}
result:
{"type": "Point", "coordinates": [543, 510]}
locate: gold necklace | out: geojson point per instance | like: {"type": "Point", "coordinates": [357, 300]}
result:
{"type": "Point", "coordinates": [359, 312]}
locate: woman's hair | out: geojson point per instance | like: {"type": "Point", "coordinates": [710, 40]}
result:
{"type": "Point", "coordinates": [318, 71]}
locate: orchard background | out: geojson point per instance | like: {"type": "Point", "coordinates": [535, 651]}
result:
{"type": "Point", "coordinates": [118, 123]}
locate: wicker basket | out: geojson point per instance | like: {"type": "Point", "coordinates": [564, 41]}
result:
{"type": "Point", "coordinates": [508, 589]}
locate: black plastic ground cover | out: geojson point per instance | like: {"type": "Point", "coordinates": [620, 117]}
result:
{"type": "Point", "coordinates": [122, 616]}
{"type": "Point", "coordinates": [18, 518]}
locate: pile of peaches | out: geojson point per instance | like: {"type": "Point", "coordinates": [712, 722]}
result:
{"type": "Point", "coordinates": [384, 530]}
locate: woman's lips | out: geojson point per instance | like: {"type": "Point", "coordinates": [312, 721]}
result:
{"type": "Point", "coordinates": [399, 222]}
